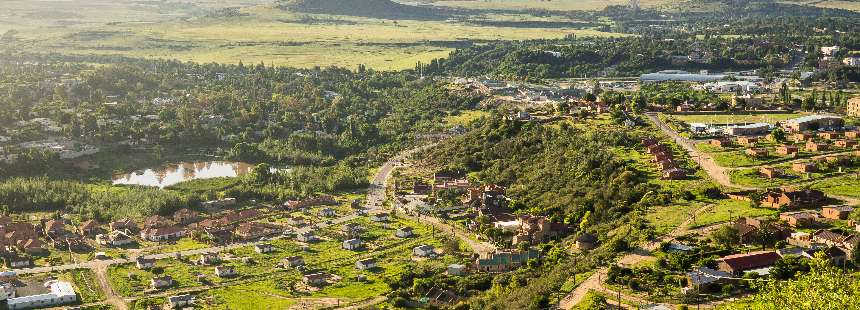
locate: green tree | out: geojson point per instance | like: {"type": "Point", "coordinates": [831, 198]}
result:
{"type": "Point", "coordinates": [824, 287]}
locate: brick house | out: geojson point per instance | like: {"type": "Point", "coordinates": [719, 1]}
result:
{"type": "Point", "coordinates": [747, 140]}
{"type": "Point", "coordinates": [756, 152]}
{"type": "Point", "coordinates": [802, 136]}
{"type": "Point", "coordinates": [89, 228]}
{"type": "Point", "coordinates": [812, 146]}
{"type": "Point", "coordinates": [798, 219]}
{"type": "Point", "coordinates": [505, 261]}
{"type": "Point", "coordinates": [792, 199]}
{"type": "Point", "coordinates": [739, 263]}
{"type": "Point", "coordinates": [836, 212]}
{"type": "Point", "coordinates": [769, 172]}
{"type": "Point", "coordinates": [186, 216]}
{"type": "Point", "coordinates": [804, 167]}
{"type": "Point", "coordinates": [845, 143]}
{"type": "Point", "coordinates": [674, 174]}
{"type": "Point", "coordinates": [829, 135]}
{"type": "Point", "coordinates": [721, 142]}
{"type": "Point", "coordinates": [786, 149]}
{"type": "Point", "coordinates": [163, 233]}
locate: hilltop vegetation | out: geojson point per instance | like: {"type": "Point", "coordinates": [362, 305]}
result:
{"type": "Point", "coordinates": [365, 8]}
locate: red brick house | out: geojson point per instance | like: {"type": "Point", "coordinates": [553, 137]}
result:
{"type": "Point", "coordinates": [739, 263]}
{"type": "Point", "coordinates": [845, 143]}
{"type": "Point", "coordinates": [721, 142]}
{"type": "Point", "coordinates": [778, 198]}
{"type": "Point", "coordinates": [804, 167]}
{"type": "Point", "coordinates": [757, 152]}
{"type": "Point", "coordinates": [802, 136]}
{"type": "Point", "coordinates": [786, 149]}
{"type": "Point", "coordinates": [798, 219]}
{"type": "Point", "coordinates": [830, 135]}
{"type": "Point", "coordinates": [769, 172]}
{"type": "Point", "coordinates": [836, 212]}
{"type": "Point", "coordinates": [747, 140]}
{"type": "Point", "coordinates": [812, 146]}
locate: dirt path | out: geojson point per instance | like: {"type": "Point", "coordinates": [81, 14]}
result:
{"type": "Point", "coordinates": [111, 297]}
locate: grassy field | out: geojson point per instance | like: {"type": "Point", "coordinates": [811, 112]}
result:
{"type": "Point", "coordinates": [737, 118]}
{"type": "Point", "coordinates": [464, 118]}
{"type": "Point", "coordinates": [555, 5]}
{"type": "Point", "coordinates": [833, 4]}
{"type": "Point", "coordinates": [255, 33]}
{"type": "Point", "coordinates": [725, 210]}
{"type": "Point", "coordinates": [848, 185]}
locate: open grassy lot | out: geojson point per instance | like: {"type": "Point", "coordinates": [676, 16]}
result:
{"type": "Point", "coordinates": [737, 118]}
{"type": "Point", "coordinates": [735, 156]}
{"type": "Point", "coordinates": [555, 5]}
{"type": "Point", "coordinates": [847, 185]}
{"type": "Point", "coordinates": [253, 33]}
{"type": "Point", "coordinates": [833, 4]}
{"type": "Point", "coordinates": [726, 210]}
{"type": "Point", "coordinates": [464, 118]}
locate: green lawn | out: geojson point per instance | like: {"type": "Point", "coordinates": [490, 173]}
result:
{"type": "Point", "coordinates": [726, 209]}
{"type": "Point", "coordinates": [667, 218]}
{"type": "Point", "coordinates": [464, 118]}
{"type": "Point", "coordinates": [848, 185]}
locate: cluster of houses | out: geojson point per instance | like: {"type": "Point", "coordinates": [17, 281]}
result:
{"type": "Point", "coordinates": [835, 246]}
{"type": "Point", "coordinates": [56, 293]}
{"type": "Point", "coordinates": [20, 240]}
{"type": "Point", "coordinates": [784, 198]}
{"type": "Point", "coordinates": [662, 156]}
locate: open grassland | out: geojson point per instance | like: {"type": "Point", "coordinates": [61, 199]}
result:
{"type": "Point", "coordinates": [253, 34]}
{"type": "Point", "coordinates": [833, 4]}
{"type": "Point", "coordinates": [736, 118]}
{"type": "Point", "coordinates": [848, 185]}
{"type": "Point", "coordinates": [726, 210]}
{"type": "Point", "coordinates": [555, 5]}
{"type": "Point", "coordinates": [465, 118]}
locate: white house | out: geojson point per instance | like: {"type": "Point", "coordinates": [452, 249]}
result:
{"type": "Point", "coordinates": [264, 248]}
{"type": "Point", "coordinates": [180, 300]}
{"type": "Point", "coordinates": [209, 259]}
{"type": "Point", "coordinates": [225, 271]}
{"type": "Point", "coordinates": [379, 217]}
{"type": "Point", "coordinates": [293, 261]}
{"type": "Point", "coordinates": [403, 232]}
{"type": "Point", "coordinates": [114, 238]}
{"type": "Point", "coordinates": [352, 244]}
{"type": "Point", "coordinates": [20, 262]}
{"type": "Point", "coordinates": [423, 250]}
{"type": "Point", "coordinates": [365, 264]}
{"type": "Point", "coordinates": [327, 212]}
{"type": "Point", "coordinates": [306, 237]}
{"type": "Point", "coordinates": [163, 233]}
{"type": "Point", "coordinates": [144, 263]}
{"type": "Point", "coordinates": [456, 270]}
{"type": "Point", "coordinates": [161, 282]}
{"type": "Point", "coordinates": [61, 292]}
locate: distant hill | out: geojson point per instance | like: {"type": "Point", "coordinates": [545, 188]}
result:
{"type": "Point", "coordinates": [386, 9]}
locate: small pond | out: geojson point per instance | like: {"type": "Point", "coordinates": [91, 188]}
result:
{"type": "Point", "coordinates": [171, 174]}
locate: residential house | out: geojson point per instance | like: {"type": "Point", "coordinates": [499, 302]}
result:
{"type": "Point", "coordinates": [351, 229]}
{"type": "Point", "coordinates": [365, 264]}
{"type": "Point", "coordinates": [263, 248]}
{"type": "Point", "coordinates": [423, 250]}
{"type": "Point", "coordinates": [769, 172]}
{"type": "Point", "coordinates": [159, 234]}
{"type": "Point", "coordinates": [829, 135]}
{"type": "Point", "coordinates": [704, 278]}
{"type": "Point", "coordinates": [456, 270]}
{"type": "Point", "coordinates": [220, 203]}
{"type": "Point", "coordinates": [847, 144]}
{"type": "Point", "coordinates": [802, 136]}
{"type": "Point", "coordinates": [208, 259]}
{"type": "Point", "coordinates": [252, 230]}
{"type": "Point", "coordinates": [586, 242]}
{"type": "Point", "coordinates": [748, 229]}
{"type": "Point", "coordinates": [836, 255]}
{"type": "Point", "coordinates": [404, 232]}
{"type": "Point", "coordinates": [225, 271]}
{"type": "Point", "coordinates": [55, 227]}
{"type": "Point", "coordinates": [537, 229]}
{"type": "Point", "coordinates": [156, 221]}
{"type": "Point", "coordinates": [814, 122]}
{"type": "Point", "coordinates": [32, 246]}
{"type": "Point", "coordinates": [351, 244]}
{"type": "Point", "coordinates": [89, 228]}
{"type": "Point", "coordinates": [656, 148]}
{"type": "Point", "coordinates": [180, 301]}
{"type": "Point", "coordinates": [123, 225]}
{"type": "Point", "coordinates": [812, 146]}
{"type": "Point", "coordinates": [792, 199]}
{"type": "Point", "coordinates": [306, 237]}
{"type": "Point", "coordinates": [804, 167]}
{"type": "Point", "coordinates": [296, 221]}
{"type": "Point", "coordinates": [315, 279]}
{"type": "Point", "coordinates": [161, 282]}
{"type": "Point", "coordinates": [505, 261]}
{"type": "Point", "coordinates": [293, 262]}
{"type": "Point", "coordinates": [18, 261]}
{"type": "Point", "coordinates": [798, 219]}
{"type": "Point", "coordinates": [721, 142]}
{"type": "Point", "coordinates": [379, 217]}
{"type": "Point", "coordinates": [747, 140]}
{"type": "Point", "coordinates": [854, 134]}
{"type": "Point", "coordinates": [674, 174]}
{"type": "Point", "coordinates": [829, 237]}
{"type": "Point", "coordinates": [114, 238]}
{"type": "Point", "coordinates": [58, 293]}
{"type": "Point", "coordinates": [739, 263]}
{"type": "Point", "coordinates": [836, 212]}
{"type": "Point", "coordinates": [756, 152]}
{"type": "Point", "coordinates": [786, 149]}
{"type": "Point", "coordinates": [327, 212]}
{"type": "Point", "coordinates": [186, 216]}
{"type": "Point", "coordinates": [144, 263]}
